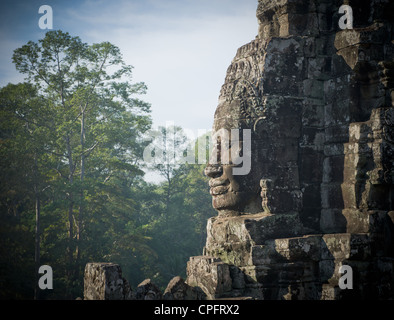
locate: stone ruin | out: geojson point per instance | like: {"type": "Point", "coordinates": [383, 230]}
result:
{"type": "Point", "coordinates": [104, 281]}
{"type": "Point", "coordinates": [319, 103]}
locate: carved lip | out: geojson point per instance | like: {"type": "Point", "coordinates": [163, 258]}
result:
{"type": "Point", "coordinates": [218, 186]}
{"type": "Point", "coordinates": [218, 190]}
{"type": "Point", "coordinates": [218, 182]}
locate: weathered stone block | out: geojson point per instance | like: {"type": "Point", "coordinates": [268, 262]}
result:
{"type": "Point", "coordinates": [254, 274]}
{"type": "Point", "coordinates": [333, 169]}
{"type": "Point", "coordinates": [313, 88]}
{"type": "Point", "coordinates": [304, 248]}
{"type": "Point", "coordinates": [210, 274]}
{"type": "Point", "coordinates": [334, 149]}
{"type": "Point", "coordinates": [346, 246]}
{"type": "Point", "coordinates": [311, 166]}
{"type": "Point", "coordinates": [309, 47]}
{"type": "Point", "coordinates": [286, 85]}
{"type": "Point", "coordinates": [332, 196]}
{"type": "Point", "coordinates": [325, 22]}
{"type": "Point", "coordinates": [337, 134]}
{"type": "Point", "coordinates": [360, 132]}
{"type": "Point", "coordinates": [261, 255]}
{"type": "Point", "coordinates": [147, 290]}
{"type": "Point", "coordinates": [285, 150]}
{"type": "Point", "coordinates": [366, 221]}
{"type": "Point", "coordinates": [332, 221]}
{"type": "Point", "coordinates": [337, 113]}
{"type": "Point", "coordinates": [360, 53]}
{"type": "Point", "coordinates": [223, 232]}
{"type": "Point", "coordinates": [339, 66]}
{"type": "Point", "coordinates": [337, 89]}
{"type": "Point", "coordinates": [311, 196]}
{"type": "Point", "coordinates": [313, 113]}
{"type": "Point", "coordinates": [286, 274]}
{"type": "Point", "coordinates": [288, 179]}
{"type": "Point", "coordinates": [361, 162]}
{"type": "Point", "coordinates": [104, 281]}
{"type": "Point", "coordinates": [357, 148]}
{"type": "Point", "coordinates": [375, 34]}
{"type": "Point", "coordinates": [363, 194]}
{"type": "Point", "coordinates": [319, 68]}
{"type": "Point", "coordinates": [298, 24]}
{"type": "Point", "coordinates": [178, 289]}
{"type": "Point", "coordinates": [310, 218]}
{"type": "Point", "coordinates": [312, 138]}
{"type": "Point", "coordinates": [323, 45]}
{"type": "Point", "coordinates": [281, 201]}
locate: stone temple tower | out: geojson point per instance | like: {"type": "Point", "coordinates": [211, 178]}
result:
{"type": "Point", "coordinates": [317, 205]}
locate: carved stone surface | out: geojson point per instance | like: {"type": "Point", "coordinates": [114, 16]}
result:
{"type": "Point", "coordinates": [147, 290]}
{"type": "Point", "coordinates": [319, 195]}
{"type": "Point", "coordinates": [178, 289]}
{"type": "Point", "coordinates": [104, 281]}
{"type": "Point", "coordinates": [212, 276]}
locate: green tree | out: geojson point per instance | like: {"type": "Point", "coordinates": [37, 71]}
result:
{"type": "Point", "coordinates": [174, 212]}
{"type": "Point", "coordinates": [72, 192]}
{"type": "Point", "coordinates": [92, 139]}
{"type": "Point", "coordinates": [167, 154]}
{"type": "Point", "coordinates": [23, 113]}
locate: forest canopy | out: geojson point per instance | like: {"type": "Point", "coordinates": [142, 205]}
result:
{"type": "Point", "coordinates": [73, 190]}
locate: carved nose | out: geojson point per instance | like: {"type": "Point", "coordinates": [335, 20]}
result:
{"type": "Point", "coordinates": [213, 171]}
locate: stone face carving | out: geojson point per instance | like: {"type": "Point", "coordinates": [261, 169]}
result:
{"type": "Point", "coordinates": [318, 102]}
{"type": "Point", "coordinates": [239, 108]}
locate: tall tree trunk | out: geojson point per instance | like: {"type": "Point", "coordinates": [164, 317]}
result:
{"type": "Point", "coordinates": [168, 195]}
{"type": "Point", "coordinates": [82, 177]}
{"type": "Point", "coordinates": [37, 244]}
{"type": "Point", "coordinates": [70, 209]}
{"type": "Point", "coordinates": [37, 227]}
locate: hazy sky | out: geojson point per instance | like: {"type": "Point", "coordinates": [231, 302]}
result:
{"type": "Point", "coordinates": [180, 48]}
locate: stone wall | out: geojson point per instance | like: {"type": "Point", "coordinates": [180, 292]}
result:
{"type": "Point", "coordinates": [325, 158]}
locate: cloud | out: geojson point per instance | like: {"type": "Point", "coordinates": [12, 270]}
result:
{"type": "Point", "coordinates": [180, 51]}
{"type": "Point", "coordinates": [7, 69]}
{"type": "Point", "coordinates": [180, 48]}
